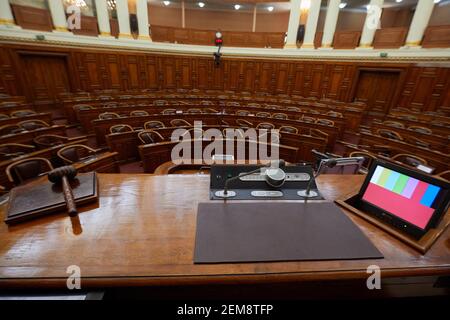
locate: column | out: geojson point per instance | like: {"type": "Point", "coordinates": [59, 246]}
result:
{"type": "Point", "coordinates": [294, 20]}
{"type": "Point", "coordinates": [103, 18]}
{"type": "Point", "coordinates": [330, 23]}
{"type": "Point", "coordinates": [183, 15]}
{"type": "Point", "coordinates": [124, 19]}
{"type": "Point", "coordinates": [6, 16]}
{"type": "Point", "coordinates": [371, 24]}
{"type": "Point", "coordinates": [142, 16]}
{"type": "Point", "coordinates": [58, 15]}
{"type": "Point", "coordinates": [254, 19]}
{"type": "Point", "coordinates": [311, 24]}
{"type": "Point", "coordinates": [419, 22]}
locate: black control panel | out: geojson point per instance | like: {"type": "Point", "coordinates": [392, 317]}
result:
{"type": "Point", "coordinates": [256, 187]}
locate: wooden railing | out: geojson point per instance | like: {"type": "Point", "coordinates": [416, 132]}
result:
{"type": "Point", "coordinates": [346, 39]}
{"type": "Point", "coordinates": [206, 37]}
{"type": "Point", "coordinates": [89, 27]}
{"type": "Point", "coordinates": [32, 18]}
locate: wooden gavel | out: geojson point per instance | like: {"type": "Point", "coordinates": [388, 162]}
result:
{"type": "Point", "coordinates": [64, 175]}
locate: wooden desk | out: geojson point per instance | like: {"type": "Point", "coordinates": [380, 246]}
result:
{"type": "Point", "coordinates": [142, 231]}
{"type": "Point", "coordinates": [47, 117]}
{"type": "Point", "coordinates": [27, 137]}
{"type": "Point", "coordinates": [102, 163]}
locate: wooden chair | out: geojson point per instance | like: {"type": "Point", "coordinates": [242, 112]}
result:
{"type": "Point", "coordinates": [31, 125]}
{"type": "Point", "coordinates": [119, 128]}
{"type": "Point", "coordinates": [244, 123]}
{"type": "Point", "coordinates": [242, 113]}
{"type": "Point", "coordinates": [270, 136]}
{"type": "Point", "coordinates": [418, 142]}
{"type": "Point", "coordinates": [108, 115]}
{"type": "Point", "coordinates": [150, 136]}
{"type": "Point", "coordinates": [319, 134]}
{"type": "Point", "coordinates": [194, 111]}
{"type": "Point", "coordinates": [385, 133]}
{"type": "Point", "coordinates": [265, 125]}
{"type": "Point", "coordinates": [233, 104]}
{"type": "Point", "coordinates": [160, 103]}
{"type": "Point", "coordinates": [394, 124]}
{"type": "Point", "coordinates": [110, 105]}
{"type": "Point", "coordinates": [169, 111]}
{"type": "Point", "coordinates": [308, 119]}
{"type": "Point", "coordinates": [153, 124]}
{"type": "Point", "coordinates": [10, 129]}
{"type": "Point", "coordinates": [325, 122]}
{"type": "Point", "coordinates": [3, 116]}
{"type": "Point", "coordinates": [75, 153]}
{"type": "Point", "coordinates": [23, 170]}
{"type": "Point", "coordinates": [195, 133]}
{"type": "Point", "coordinates": [444, 175]}
{"type": "Point", "coordinates": [420, 129]}
{"type": "Point", "coordinates": [211, 110]}
{"type": "Point", "coordinates": [288, 129]}
{"type": "Point", "coordinates": [253, 105]}
{"type": "Point", "coordinates": [409, 159]}
{"type": "Point", "coordinates": [206, 103]}
{"type": "Point", "coordinates": [22, 113]}
{"type": "Point", "coordinates": [14, 150]}
{"type": "Point", "coordinates": [49, 140]}
{"type": "Point", "coordinates": [280, 116]}
{"type": "Point", "coordinates": [295, 109]}
{"type": "Point", "coordinates": [314, 111]}
{"type": "Point", "coordinates": [369, 159]}
{"type": "Point", "coordinates": [335, 114]}
{"type": "Point", "coordinates": [139, 113]}
{"type": "Point", "coordinates": [263, 114]}
{"type": "Point", "coordinates": [81, 107]}
{"type": "Point", "coordinates": [407, 117]}
{"type": "Point", "coordinates": [105, 97]}
{"type": "Point", "coordinates": [179, 123]}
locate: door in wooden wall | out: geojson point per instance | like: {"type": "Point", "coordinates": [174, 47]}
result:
{"type": "Point", "coordinates": [376, 89]}
{"type": "Point", "coordinates": [46, 76]}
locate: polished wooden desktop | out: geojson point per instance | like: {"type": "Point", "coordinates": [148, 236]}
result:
{"type": "Point", "coordinates": [142, 234]}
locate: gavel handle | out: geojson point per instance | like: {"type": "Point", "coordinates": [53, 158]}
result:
{"type": "Point", "coordinates": [68, 195]}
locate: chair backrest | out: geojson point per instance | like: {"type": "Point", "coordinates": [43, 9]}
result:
{"type": "Point", "coordinates": [206, 103]}
{"type": "Point", "coordinates": [74, 153]}
{"type": "Point", "coordinates": [293, 109]}
{"type": "Point", "coordinates": [253, 105]}
{"type": "Point", "coordinates": [409, 159]}
{"type": "Point", "coordinates": [211, 110]}
{"type": "Point", "coordinates": [10, 129]}
{"type": "Point", "coordinates": [82, 107]}
{"type": "Point", "coordinates": [179, 123]}
{"type": "Point", "coordinates": [394, 124]}
{"type": "Point", "coordinates": [169, 111]}
{"type": "Point", "coordinates": [153, 124]}
{"type": "Point", "coordinates": [14, 150]}
{"type": "Point", "coordinates": [33, 124]}
{"type": "Point", "coordinates": [420, 129]}
{"type": "Point", "coordinates": [407, 117]}
{"type": "Point", "coordinates": [308, 119]}
{"type": "Point", "coordinates": [49, 140]}
{"type": "Point", "coordinates": [418, 142]}
{"type": "Point", "coordinates": [242, 113]}
{"type": "Point", "coordinates": [233, 104]}
{"type": "Point", "coordinates": [444, 175]}
{"type": "Point", "coordinates": [160, 103]}
{"type": "Point", "coordinates": [139, 113]}
{"type": "Point", "coordinates": [368, 158]}
{"type": "Point", "coordinates": [108, 115]}
{"type": "Point", "coordinates": [281, 116]}
{"type": "Point", "coordinates": [389, 134]}
{"type": "Point", "coordinates": [265, 125]}
{"type": "Point", "coordinates": [150, 136]}
{"type": "Point", "coordinates": [194, 111]}
{"type": "Point", "coordinates": [22, 113]}
{"type": "Point", "coordinates": [4, 116]}
{"type": "Point", "coordinates": [263, 114]}
{"type": "Point", "coordinates": [26, 169]}
{"type": "Point", "coordinates": [288, 129]}
{"type": "Point", "coordinates": [325, 122]}
{"type": "Point", "coordinates": [335, 114]}
{"type": "Point", "coordinates": [244, 123]}
{"type": "Point", "coordinates": [118, 128]}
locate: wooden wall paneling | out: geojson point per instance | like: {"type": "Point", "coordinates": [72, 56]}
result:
{"type": "Point", "coordinates": [335, 81]}
{"type": "Point", "coordinates": [264, 82]}
{"type": "Point", "coordinates": [32, 18]}
{"type": "Point", "coordinates": [185, 73]}
{"type": "Point", "coordinates": [280, 77]}
{"type": "Point", "coordinates": [130, 72]}
{"type": "Point", "coordinates": [249, 76]}
{"type": "Point", "coordinates": [168, 72]}
{"type": "Point", "coordinates": [298, 79]}
{"type": "Point", "coordinates": [233, 75]}
{"type": "Point", "coordinates": [317, 78]}
{"type": "Point", "coordinates": [346, 39]}
{"type": "Point", "coordinates": [390, 37]}
{"type": "Point", "coordinates": [112, 71]}
{"type": "Point", "coordinates": [88, 26]}
{"type": "Point", "coordinates": [436, 37]}
{"type": "Point", "coordinates": [151, 68]}
{"type": "Point", "coordinates": [114, 25]}
{"type": "Point", "coordinates": [423, 87]}
{"type": "Point", "coordinates": [9, 81]}
{"type": "Point", "coordinates": [203, 74]}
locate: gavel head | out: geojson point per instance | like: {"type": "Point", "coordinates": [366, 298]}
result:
{"type": "Point", "coordinates": [56, 175]}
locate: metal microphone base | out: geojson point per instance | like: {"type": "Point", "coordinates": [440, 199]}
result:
{"type": "Point", "coordinates": [311, 194]}
{"type": "Point", "coordinates": [221, 194]}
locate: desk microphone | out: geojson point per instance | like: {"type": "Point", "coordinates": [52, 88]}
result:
{"type": "Point", "coordinates": [330, 163]}
{"type": "Point", "coordinates": [275, 177]}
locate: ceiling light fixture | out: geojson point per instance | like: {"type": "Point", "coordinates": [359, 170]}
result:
{"type": "Point", "coordinates": [201, 4]}
{"type": "Point", "coordinates": [237, 6]}
{"type": "Point", "coordinates": [398, 1]}
{"type": "Point", "coordinates": [437, 1]}
{"type": "Point", "coordinates": [166, 3]}
{"type": "Point", "coordinates": [342, 5]}
{"type": "Point", "coordinates": [270, 8]}
{"type": "Point", "coordinates": [305, 5]}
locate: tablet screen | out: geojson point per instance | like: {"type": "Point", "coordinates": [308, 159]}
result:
{"type": "Point", "coordinates": [408, 198]}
